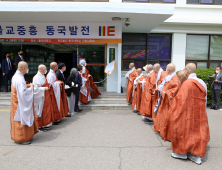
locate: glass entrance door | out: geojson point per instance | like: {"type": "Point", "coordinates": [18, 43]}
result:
{"type": "Point", "coordinates": [95, 59]}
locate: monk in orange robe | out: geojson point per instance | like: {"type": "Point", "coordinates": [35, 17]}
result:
{"type": "Point", "coordinates": [23, 123]}
{"type": "Point", "coordinates": [64, 108]}
{"type": "Point", "coordinates": [168, 90]}
{"type": "Point", "coordinates": [181, 77]}
{"type": "Point", "coordinates": [160, 77]}
{"type": "Point", "coordinates": [188, 121]}
{"type": "Point", "coordinates": [89, 89]}
{"type": "Point", "coordinates": [130, 77]}
{"type": "Point", "coordinates": [146, 109]}
{"type": "Point", "coordinates": [137, 91]}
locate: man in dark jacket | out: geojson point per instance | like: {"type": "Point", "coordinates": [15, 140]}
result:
{"type": "Point", "coordinates": [19, 57]}
{"type": "Point", "coordinates": [59, 72]}
{"type": "Point", "coordinates": [7, 71]}
{"type": "Point", "coordinates": [79, 82]}
{"type": "Point", "coordinates": [216, 88]}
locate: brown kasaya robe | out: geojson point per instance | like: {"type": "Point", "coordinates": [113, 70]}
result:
{"type": "Point", "coordinates": [137, 94]}
{"type": "Point", "coordinates": [47, 111]}
{"type": "Point", "coordinates": [129, 89]}
{"type": "Point", "coordinates": [20, 133]}
{"type": "Point", "coordinates": [171, 88]}
{"type": "Point", "coordinates": [64, 108]}
{"type": "Point", "coordinates": [187, 120]}
{"type": "Point", "coordinates": [155, 96]}
{"type": "Point", "coordinates": [147, 108]}
{"type": "Point", "coordinates": [94, 93]}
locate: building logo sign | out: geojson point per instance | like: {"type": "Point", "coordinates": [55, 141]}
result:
{"type": "Point", "coordinates": [61, 32]}
{"type": "Point", "coordinates": [109, 31]}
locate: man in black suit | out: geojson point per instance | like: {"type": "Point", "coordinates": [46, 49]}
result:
{"type": "Point", "coordinates": [19, 57]}
{"type": "Point", "coordinates": [216, 88]}
{"type": "Point", "coordinates": [7, 71]}
{"type": "Point", "coordinates": [79, 82]}
{"type": "Point", "coordinates": [59, 72]}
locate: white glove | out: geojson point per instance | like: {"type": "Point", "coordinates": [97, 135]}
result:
{"type": "Point", "coordinates": [73, 84]}
{"type": "Point", "coordinates": [76, 85]}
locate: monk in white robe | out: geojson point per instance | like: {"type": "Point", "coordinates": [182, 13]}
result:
{"type": "Point", "coordinates": [52, 79]}
{"type": "Point", "coordinates": [23, 123]}
{"type": "Point", "coordinates": [42, 99]}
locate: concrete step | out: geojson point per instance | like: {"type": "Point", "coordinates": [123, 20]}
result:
{"type": "Point", "coordinates": [105, 107]}
{"type": "Point", "coordinates": [5, 104]}
{"type": "Point", "coordinates": [105, 100]}
{"type": "Point", "coordinates": [5, 99]}
{"type": "Point", "coordinates": [5, 94]}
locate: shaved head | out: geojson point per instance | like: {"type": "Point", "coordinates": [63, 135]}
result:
{"type": "Point", "coordinates": [191, 67]}
{"type": "Point", "coordinates": [150, 66]}
{"type": "Point", "coordinates": [139, 70]}
{"type": "Point", "coordinates": [22, 64]}
{"type": "Point", "coordinates": [41, 67]}
{"type": "Point", "coordinates": [182, 76]}
{"type": "Point", "coordinates": [23, 67]}
{"type": "Point", "coordinates": [171, 67]}
{"type": "Point", "coordinates": [131, 65]}
{"type": "Point", "coordinates": [53, 65]}
{"type": "Point", "coordinates": [156, 68]}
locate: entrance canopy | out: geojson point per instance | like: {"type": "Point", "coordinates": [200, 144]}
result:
{"type": "Point", "coordinates": [143, 18]}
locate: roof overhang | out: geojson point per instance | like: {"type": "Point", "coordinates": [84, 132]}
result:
{"type": "Point", "coordinates": [143, 18]}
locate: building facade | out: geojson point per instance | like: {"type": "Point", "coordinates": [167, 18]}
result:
{"type": "Point", "coordinates": [139, 31]}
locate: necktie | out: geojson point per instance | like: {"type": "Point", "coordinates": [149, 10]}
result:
{"type": "Point", "coordinates": [63, 76]}
{"type": "Point", "coordinates": [21, 58]}
{"type": "Point", "coordinates": [9, 64]}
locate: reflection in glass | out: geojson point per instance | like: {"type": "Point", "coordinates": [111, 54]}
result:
{"type": "Point", "coordinates": [139, 64]}
{"type": "Point", "coordinates": [214, 64]}
{"type": "Point", "coordinates": [164, 64]}
{"type": "Point", "coordinates": [133, 46]}
{"type": "Point", "coordinates": [168, 0]}
{"type": "Point", "coordinates": [206, 1]}
{"type": "Point", "coordinates": [159, 46]}
{"type": "Point", "coordinates": [197, 47]}
{"type": "Point", "coordinates": [216, 48]}
{"type": "Point", "coordinates": [218, 2]}
{"type": "Point", "coordinates": [126, 64]}
{"type": "Point", "coordinates": [202, 65]}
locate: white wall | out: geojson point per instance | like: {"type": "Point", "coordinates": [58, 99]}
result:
{"type": "Point", "coordinates": [178, 56]}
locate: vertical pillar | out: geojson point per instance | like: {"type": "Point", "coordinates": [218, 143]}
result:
{"type": "Point", "coordinates": [119, 63]}
{"type": "Point", "coordinates": [179, 50]}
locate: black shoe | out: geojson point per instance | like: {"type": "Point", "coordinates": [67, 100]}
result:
{"type": "Point", "coordinates": [46, 127]}
{"type": "Point", "coordinates": [138, 113]}
{"type": "Point", "coordinates": [55, 123]}
{"type": "Point", "coordinates": [148, 121]}
{"type": "Point", "coordinates": [68, 116]}
{"type": "Point", "coordinates": [42, 130]}
{"type": "Point", "coordinates": [212, 107]}
{"type": "Point", "coordinates": [78, 110]}
{"type": "Point", "coordinates": [129, 103]}
{"type": "Point", "coordinates": [135, 111]}
{"type": "Point", "coordinates": [216, 108]}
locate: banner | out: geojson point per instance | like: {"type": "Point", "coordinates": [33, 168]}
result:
{"type": "Point", "coordinates": [110, 67]}
{"type": "Point", "coordinates": [92, 32]}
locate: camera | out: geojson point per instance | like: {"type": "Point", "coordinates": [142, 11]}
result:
{"type": "Point", "coordinates": [127, 22]}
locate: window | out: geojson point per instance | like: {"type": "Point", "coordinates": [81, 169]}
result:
{"type": "Point", "coordinates": [207, 2]}
{"type": "Point", "coordinates": [151, 1]}
{"type": "Point", "coordinates": [204, 50]}
{"type": "Point", "coordinates": [145, 49]}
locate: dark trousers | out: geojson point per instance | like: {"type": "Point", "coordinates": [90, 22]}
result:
{"type": "Point", "coordinates": [8, 77]}
{"type": "Point", "coordinates": [215, 94]}
{"type": "Point", "coordinates": [77, 99]}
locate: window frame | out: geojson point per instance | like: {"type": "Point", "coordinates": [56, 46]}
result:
{"type": "Point", "coordinates": [199, 3]}
{"type": "Point", "coordinates": [149, 1]}
{"type": "Point", "coordinates": [208, 61]}
{"type": "Point", "coordinates": [145, 60]}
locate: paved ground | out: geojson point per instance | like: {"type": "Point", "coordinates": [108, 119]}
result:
{"type": "Point", "coordinates": [103, 140]}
